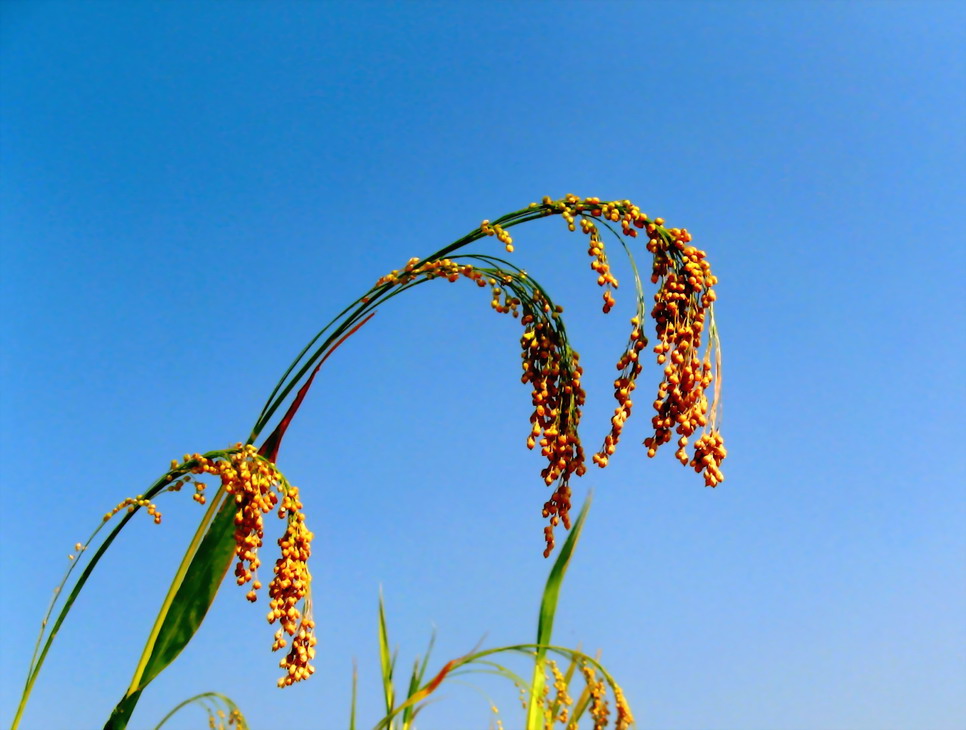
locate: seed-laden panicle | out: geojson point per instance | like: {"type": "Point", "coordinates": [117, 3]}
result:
{"type": "Point", "coordinates": [628, 364]}
{"type": "Point", "coordinates": [553, 371]}
{"type": "Point", "coordinates": [630, 368]}
{"type": "Point", "coordinates": [290, 588]}
{"type": "Point", "coordinates": [599, 709]}
{"type": "Point", "coordinates": [562, 700]}
{"type": "Point", "coordinates": [504, 285]}
{"type": "Point", "coordinates": [501, 234]}
{"type": "Point", "coordinates": [550, 366]}
{"type": "Point", "coordinates": [624, 716]}
{"type": "Point", "coordinates": [132, 503]}
{"type": "Point", "coordinates": [600, 694]}
{"type": "Point", "coordinates": [682, 312]}
{"type": "Point", "coordinates": [220, 720]}
{"type": "Point", "coordinates": [600, 264]}
{"type": "Point", "coordinates": [257, 487]}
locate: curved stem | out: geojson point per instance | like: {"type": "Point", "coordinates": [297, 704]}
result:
{"type": "Point", "coordinates": [363, 305]}
{"type": "Point", "coordinates": [199, 698]}
{"type": "Point", "coordinates": [176, 708]}
{"type": "Point", "coordinates": [69, 601]}
{"type": "Point", "coordinates": [281, 381]}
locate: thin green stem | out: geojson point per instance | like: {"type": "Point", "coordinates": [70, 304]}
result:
{"type": "Point", "coordinates": [362, 306]}
{"type": "Point", "coordinates": [200, 699]}
{"type": "Point", "coordinates": [56, 595]}
{"type": "Point", "coordinates": [295, 362]}
{"type": "Point", "coordinates": [174, 710]}
{"type": "Point", "coordinates": [37, 665]}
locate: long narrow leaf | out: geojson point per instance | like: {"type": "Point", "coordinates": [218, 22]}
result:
{"type": "Point", "coordinates": [184, 614]}
{"type": "Point", "coordinates": [548, 608]}
{"type": "Point", "coordinates": [197, 592]}
{"type": "Point", "coordinates": [386, 661]}
{"type": "Point", "coordinates": [421, 694]}
{"type": "Point", "coordinates": [407, 715]}
{"type": "Point", "coordinates": [419, 671]}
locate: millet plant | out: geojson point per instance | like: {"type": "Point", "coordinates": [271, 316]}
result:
{"type": "Point", "coordinates": [249, 485]}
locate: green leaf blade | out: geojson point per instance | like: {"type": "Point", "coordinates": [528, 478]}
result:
{"type": "Point", "coordinates": [188, 608]}
{"type": "Point", "coordinates": [196, 593]}
{"type": "Point", "coordinates": [548, 609]}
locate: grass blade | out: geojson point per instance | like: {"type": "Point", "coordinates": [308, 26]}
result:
{"type": "Point", "coordinates": [179, 619]}
{"type": "Point", "coordinates": [419, 671]}
{"type": "Point", "coordinates": [548, 608]}
{"type": "Point", "coordinates": [421, 694]}
{"type": "Point", "coordinates": [197, 591]}
{"type": "Point", "coordinates": [386, 660]}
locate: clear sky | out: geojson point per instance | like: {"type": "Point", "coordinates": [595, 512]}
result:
{"type": "Point", "coordinates": [189, 190]}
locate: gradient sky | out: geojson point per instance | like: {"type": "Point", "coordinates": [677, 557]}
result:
{"type": "Point", "coordinates": [189, 190]}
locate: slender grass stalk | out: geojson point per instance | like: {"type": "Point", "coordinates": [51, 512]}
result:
{"type": "Point", "coordinates": [221, 710]}
{"type": "Point", "coordinates": [355, 690]}
{"type": "Point", "coordinates": [37, 661]}
{"type": "Point", "coordinates": [387, 659]}
{"type": "Point", "coordinates": [419, 671]}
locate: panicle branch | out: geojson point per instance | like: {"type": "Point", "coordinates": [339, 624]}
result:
{"type": "Point", "coordinates": [257, 487]}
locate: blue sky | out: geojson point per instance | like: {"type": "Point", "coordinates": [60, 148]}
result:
{"type": "Point", "coordinates": [189, 190]}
